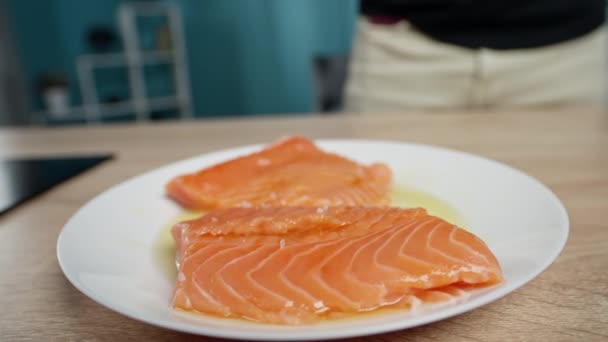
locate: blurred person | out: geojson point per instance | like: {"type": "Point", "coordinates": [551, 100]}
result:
{"type": "Point", "coordinates": [445, 54]}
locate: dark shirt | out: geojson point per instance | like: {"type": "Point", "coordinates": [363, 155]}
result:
{"type": "Point", "coordinates": [496, 24]}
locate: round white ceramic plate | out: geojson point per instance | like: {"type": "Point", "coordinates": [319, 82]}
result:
{"type": "Point", "coordinates": [106, 249]}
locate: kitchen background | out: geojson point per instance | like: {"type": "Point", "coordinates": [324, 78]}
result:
{"type": "Point", "coordinates": [74, 61]}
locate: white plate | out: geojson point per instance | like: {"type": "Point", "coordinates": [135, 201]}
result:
{"type": "Point", "coordinates": [106, 249]}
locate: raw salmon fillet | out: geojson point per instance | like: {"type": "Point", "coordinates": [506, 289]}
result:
{"type": "Point", "coordinates": [295, 265]}
{"type": "Point", "coordinates": [292, 171]}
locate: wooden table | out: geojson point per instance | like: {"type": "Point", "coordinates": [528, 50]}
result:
{"type": "Point", "coordinates": [567, 150]}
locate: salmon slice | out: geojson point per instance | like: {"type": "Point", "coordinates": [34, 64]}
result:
{"type": "Point", "coordinates": [295, 265]}
{"type": "Point", "coordinates": [292, 171]}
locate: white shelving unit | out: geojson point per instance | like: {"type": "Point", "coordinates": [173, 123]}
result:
{"type": "Point", "coordinates": [134, 59]}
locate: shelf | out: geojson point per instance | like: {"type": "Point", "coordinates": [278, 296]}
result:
{"type": "Point", "coordinates": [134, 60]}
{"type": "Point", "coordinates": [120, 59]}
{"type": "Point", "coordinates": [109, 110]}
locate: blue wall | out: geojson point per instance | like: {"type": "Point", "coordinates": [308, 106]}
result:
{"type": "Point", "coordinates": [245, 56]}
{"type": "Point", "coordinates": [35, 33]}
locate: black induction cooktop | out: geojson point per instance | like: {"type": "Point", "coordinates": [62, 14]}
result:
{"type": "Point", "coordinates": [23, 179]}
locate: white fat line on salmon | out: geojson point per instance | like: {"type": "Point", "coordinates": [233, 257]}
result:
{"type": "Point", "coordinates": [347, 272]}
{"type": "Point", "coordinates": [249, 276]}
{"type": "Point", "coordinates": [410, 233]}
{"type": "Point", "coordinates": [452, 273]}
{"type": "Point", "coordinates": [464, 245]}
{"type": "Point", "coordinates": [371, 241]}
{"type": "Point", "coordinates": [318, 305]}
{"type": "Point", "coordinates": [415, 303]}
{"type": "Point", "coordinates": [223, 308]}
{"type": "Point", "coordinates": [386, 242]}
{"type": "Point", "coordinates": [461, 297]}
{"type": "Point", "coordinates": [263, 162]}
{"type": "Point", "coordinates": [317, 275]}
{"type": "Point", "coordinates": [245, 204]}
{"type": "Point", "coordinates": [201, 250]}
{"type": "Point", "coordinates": [301, 199]}
{"type": "Point", "coordinates": [415, 279]}
{"type": "Point", "coordinates": [292, 285]}
{"type": "Point", "coordinates": [219, 275]}
{"type": "Point", "coordinates": [437, 250]}
{"type": "Point", "coordinates": [183, 227]}
{"type": "Point", "coordinates": [180, 292]}
{"type": "Point", "coordinates": [471, 268]}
